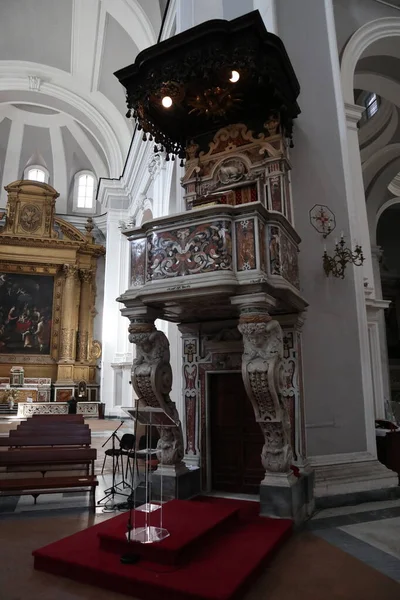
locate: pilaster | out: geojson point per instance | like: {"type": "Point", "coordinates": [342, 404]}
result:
{"type": "Point", "coordinates": [68, 331]}
{"type": "Point", "coordinates": [86, 276]}
{"type": "Point", "coordinates": [357, 204]}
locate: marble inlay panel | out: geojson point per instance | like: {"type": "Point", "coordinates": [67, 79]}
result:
{"type": "Point", "coordinates": [245, 245]}
{"type": "Point", "coordinates": [138, 262]}
{"type": "Point", "coordinates": [190, 250]}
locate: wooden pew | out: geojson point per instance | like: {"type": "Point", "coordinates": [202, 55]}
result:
{"type": "Point", "coordinates": [64, 418]}
{"type": "Point", "coordinates": [51, 427]}
{"type": "Point", "coordinates": [46, 458]}
{"type": "Point", "coordinates": [49, 485]}
{"type": "Point", "coordinates": [31, 439]}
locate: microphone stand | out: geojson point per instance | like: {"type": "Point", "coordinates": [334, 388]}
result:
{"type": "Point", "coordinates": [130, 559]}
{"type": "Point", "coordinates": [110, 492]}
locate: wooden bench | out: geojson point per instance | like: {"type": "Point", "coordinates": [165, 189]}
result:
{"type": "Point", "coordinates": [49, 485]}
{"type": "Point", "coordinates": [69, 429]}
{"type": "Point", "coordinates": [45, 458]}
{"type": "Point", "coordinates": [46, 440]}
{"type": "Point", "coordinates": [64, 418]}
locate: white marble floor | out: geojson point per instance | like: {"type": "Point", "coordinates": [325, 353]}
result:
{"type": "Point", "coordinates": [370, 532]}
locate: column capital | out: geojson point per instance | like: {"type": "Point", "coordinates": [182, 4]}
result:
{"type": "Point", "coordinates": [353, 114]}
{"type": "Point", "coordinates": [70, 271]}
{"type": "Point", "coordinates": [86, 275]}
{"type": "Point", "coordinates": [254, 302]}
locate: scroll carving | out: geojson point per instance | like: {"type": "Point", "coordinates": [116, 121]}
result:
{"type": "Point", "coordinates": [262, 375]}
{"type": "Point", "coordinates": [152, 381]}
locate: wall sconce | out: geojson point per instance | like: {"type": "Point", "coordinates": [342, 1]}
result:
{"type": "Point", "coordinates": [336, 265]}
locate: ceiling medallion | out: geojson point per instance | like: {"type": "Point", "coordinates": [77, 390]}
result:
{"type": "Point", "coordinates": [208, 77]}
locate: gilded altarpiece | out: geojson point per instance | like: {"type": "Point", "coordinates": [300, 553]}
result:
{"type": "Point", "coordinates": [204, 352]}
{"type": "Point", "coordinates": [47, 275]}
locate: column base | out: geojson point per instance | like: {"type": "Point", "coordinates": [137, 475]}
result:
{"type": "Point", "coordinates": [284, 496]}
{"type": "Point", "coordinates": [354, 483]}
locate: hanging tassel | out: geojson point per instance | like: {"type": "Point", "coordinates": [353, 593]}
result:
{"type": "Point", "coordinates": [139, 127]}
{"type": "Point", "coordinates": [144, 138]}
{"type": "Point", "coordinates": [155, 149]}
{"type": "Point", "coordinates": [173, 157]}
{"type": "Point", "coordinates": [150, 138]}
{"type": "Point", "coordinates": [128, 114]}
{"type": "Point", "coordinates": [182, 164]}
{"type": "Point", "coordinates": [167, 158]}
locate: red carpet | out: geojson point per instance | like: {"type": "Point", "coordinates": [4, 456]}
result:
{"type": "Point", "coordinates": [218, 547]}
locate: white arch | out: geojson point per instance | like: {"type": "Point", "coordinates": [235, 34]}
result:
{"type": "Point", "coordinates": [131, 16]}
{"type": "Point", "coordinates": [386, 205]}
{"type": "Point", "coordinates": [60, 85]}
{"type": "Point", "coordinates": [377, 162]}
{"type": "Point", "coordinates": [364, 36]}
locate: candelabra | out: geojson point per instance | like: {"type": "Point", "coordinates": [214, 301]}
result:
{"type": "Point", "coordinates": [336, 265]}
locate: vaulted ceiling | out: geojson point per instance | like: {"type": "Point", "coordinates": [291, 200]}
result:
{"type": "Point", "coordinates": [60, 104]}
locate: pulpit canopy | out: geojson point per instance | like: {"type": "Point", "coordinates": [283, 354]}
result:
{"type": "Point", "coordinates": [218, 73]}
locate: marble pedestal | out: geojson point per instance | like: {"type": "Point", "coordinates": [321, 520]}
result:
{"type": "Point", "coordinates": [287, 497]}
{"type": "Point", "coordinates": [168, 485]}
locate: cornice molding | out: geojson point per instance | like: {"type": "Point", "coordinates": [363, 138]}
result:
{"type": "Point", "coordinates": [353, 114]}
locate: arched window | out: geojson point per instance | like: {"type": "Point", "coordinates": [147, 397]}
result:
{"type": "Point", "coordinates": [36, 173]}
{"type": "Point", "coordinates": [371, 103]}
{"type": "Point", "coordinates": [84, 191]}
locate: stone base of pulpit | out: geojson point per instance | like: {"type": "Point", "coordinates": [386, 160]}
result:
{"type": "Point", "coordinates": [286, 496]}
{"type": "Point", "coordinates": [180, 485]}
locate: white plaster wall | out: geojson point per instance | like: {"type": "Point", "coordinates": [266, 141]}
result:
{"type": "Point", "coordinates": [333, 377]}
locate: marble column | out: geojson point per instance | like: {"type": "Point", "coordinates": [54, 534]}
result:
{"type": "Point", "coordinates": [68, 318]}
{"type": "Point", "coordinates": [86, 276]}
{"type": "Point", "coordinates": [340, 412]}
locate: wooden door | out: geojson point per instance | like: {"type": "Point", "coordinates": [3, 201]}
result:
{"type": "Point", "coordinates": [236, 438]}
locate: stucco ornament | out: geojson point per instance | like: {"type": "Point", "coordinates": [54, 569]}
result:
{"type": "Point", "coordinates": [262, 371]}
{"type": "Point", "coordinates": [152, 381]}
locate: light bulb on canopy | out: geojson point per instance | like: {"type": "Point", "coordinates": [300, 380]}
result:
{"type": "Point", "coordinates": [235, 76]}
{"type": "Point", "coordinates": [166, 102]}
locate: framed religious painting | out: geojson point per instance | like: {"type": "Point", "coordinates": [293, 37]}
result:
{"type": "Point", "coordinates": [26, 313]}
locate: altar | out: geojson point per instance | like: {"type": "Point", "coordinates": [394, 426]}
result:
{"type": "Point", "coordinates": [28, 409]}
{"type": "Point", "coordinates": [36, 388]}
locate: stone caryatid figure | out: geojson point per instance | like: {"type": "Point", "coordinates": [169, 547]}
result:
{"type": "Point", "coordinates": [152, 381]}
{"type": "Point", "coordinates": [262, 373]}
